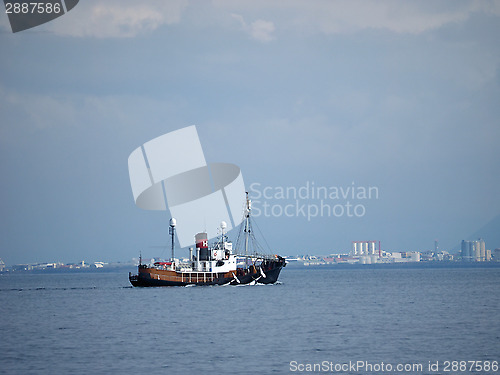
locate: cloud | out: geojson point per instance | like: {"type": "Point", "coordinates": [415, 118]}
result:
{"type": "Point", "coordinates": [262, 30]}
{"type": "Point", "coordinates": [348, 16]}
{"type": "Point", "coordinates": [259, 30]}
{"type": "Point", "coordinates": [128, 18]}
{"type": "Point", "coordinates": [117, 19]}
{"type": "Point", "coordinates": [399, 17]}
{"type": "Point", "coordinates": [32, 111]}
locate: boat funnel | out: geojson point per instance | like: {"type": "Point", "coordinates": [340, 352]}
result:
{"type": "Point", "coordinates": [202, 244]}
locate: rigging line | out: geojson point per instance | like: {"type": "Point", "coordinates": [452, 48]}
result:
{"type": "Point", "coordinates": [254, 242]}
{"type": "Point", "coordinates": [262, 235]}
{"type": "Point", "coordinates": [241, 230]}
{"type": "Point", "coordinates": [163, 249]}
{"type": "Point", "coordinates": [238, 239]}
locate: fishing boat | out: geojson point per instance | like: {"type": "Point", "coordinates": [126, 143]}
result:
{"type": "Point", "coordinates": [216, 264]}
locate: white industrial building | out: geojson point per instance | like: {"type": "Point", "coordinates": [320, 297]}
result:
{"type": "Point", "coordinates": [360, 248]}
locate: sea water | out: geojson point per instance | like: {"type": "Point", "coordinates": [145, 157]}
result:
{"type": "Point", "coordinates": [316, 320]}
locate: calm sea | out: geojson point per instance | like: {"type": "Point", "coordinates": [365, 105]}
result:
{"type": "Point", "coordinates": [317, 319]}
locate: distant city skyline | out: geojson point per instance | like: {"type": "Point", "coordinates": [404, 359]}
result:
{"type": "Point", "coordinates": [470, 251]}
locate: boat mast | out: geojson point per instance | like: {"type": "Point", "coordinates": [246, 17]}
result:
{"type": "Point", "coordinates": [247, 226]}
{"type": "Point", "coordinates": [171, 231]}
{"type": "Point", "coordinates": [223, 226]}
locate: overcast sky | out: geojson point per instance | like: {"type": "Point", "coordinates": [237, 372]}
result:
{"type": "Point", "coordinates": [403, 96]}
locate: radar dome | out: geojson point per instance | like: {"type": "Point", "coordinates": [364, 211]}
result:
{"type": "Point", "coordinates": [173, 222]}
{"type": "Point", "coordinates": [223, 225]}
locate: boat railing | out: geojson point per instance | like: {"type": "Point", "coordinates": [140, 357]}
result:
{"type": "Point", "coordinates": [190, 277]}
{"type": "Point", "coordinates": [258, 256]}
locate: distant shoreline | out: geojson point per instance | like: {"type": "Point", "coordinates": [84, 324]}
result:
{"type": "Point", "coordinates": [293, 265]}
{"type": "Point", "coordinates": [400, 265]}
{"type": "Point", "coordinates": [63, 270]}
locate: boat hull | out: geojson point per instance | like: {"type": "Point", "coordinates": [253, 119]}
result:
{"type": "Point", "coordinates": [271, 276]}
{"type": "Point", "coordinates": [267, 273]}
{"type": "Point", "coordinates": [141, 281]}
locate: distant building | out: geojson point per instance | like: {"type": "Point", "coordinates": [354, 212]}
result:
{"type": "Point", "coordinates": [405, 256]}
{"type": "Point", "coordinates": [2, 265]}
{"type": "Point", "coordinates": [496, 254]}
{"type": "Point", "coordinates": [474, 251]}
{"type": "Point", "coordinates": [415, 256]}
{"type": "Point", "coordinates": [364, 248]}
